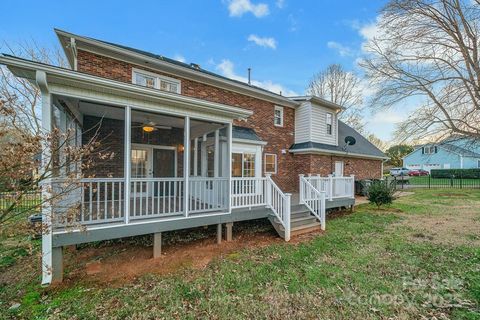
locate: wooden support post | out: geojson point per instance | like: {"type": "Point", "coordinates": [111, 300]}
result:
{"type": "Point", "coordinates": [157, 245]}
{"type": "Point", "coordinates": [57, 265]}
{"type": "Point", "coordinates": [219, 233]}
{"type": "Point", "coordinates": [229, 227]}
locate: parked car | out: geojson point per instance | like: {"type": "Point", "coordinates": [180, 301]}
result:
{"type": "Point", "coordinates": [418, 173]}
{"type": "Point", "coordinates": [395, 172]}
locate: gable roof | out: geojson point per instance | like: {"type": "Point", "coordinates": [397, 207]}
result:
{"type": "Point", "coordinates": [362, 147]}
{"type": "Point", "coordinates": [186, 69]}
{"type": "Point", "coordinates": [451, 144]}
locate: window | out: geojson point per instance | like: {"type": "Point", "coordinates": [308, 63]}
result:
{"type": "Point", "coordinates": [329, 122]}
{"type": "Point", "coordinates": [429, 150]}
{"type": "Point", "coordinates": [270, 163]}
{"type": "Point", "coordinates": [152, 80]}
{"type": "Point", "coordinates": [243, 164]}
{"type": "Point", "coordinates": [278, 116]}
{"type": "Point", "coordinates": [478, 163]}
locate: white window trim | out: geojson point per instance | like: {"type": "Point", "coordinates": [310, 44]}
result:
{"type": "Point", "coordinates": [279, 108]}
{"type": "Point", "coordinates": [331, 124]}
{"type": "Point", "coordinates": [431, 150]}
{"type": "Point", "coordinates": [265, 163]}
{"type": "Point", "coordinates": [158, 79]}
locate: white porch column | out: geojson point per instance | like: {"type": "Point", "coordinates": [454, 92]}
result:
{"type": "Point", "coordinates": [186, 163]}
{"type": "Point", "coordinates": [203, 155]}
{"type": "Point", "coordinates": [127, 161]}
{"type": "Point", "coordinates": [216, 159]}
{"type": "Point", "coordinates": [195, 157]}
{"type": "Point", "coordinates": [47, 211]}
{"type": "Point", "coordinates": [229, 165]}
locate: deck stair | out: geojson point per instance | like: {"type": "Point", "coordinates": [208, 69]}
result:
{"type": "Point", "coordinates": [301, 222]}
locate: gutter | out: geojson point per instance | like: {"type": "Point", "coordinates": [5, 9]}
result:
{"type": "Point", "coordinates": [329, 152]}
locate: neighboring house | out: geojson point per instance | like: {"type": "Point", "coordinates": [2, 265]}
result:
{"type": "Point", "coordinates": [190, 148]}
{"type": "Point", "coordinates": [451, 153]}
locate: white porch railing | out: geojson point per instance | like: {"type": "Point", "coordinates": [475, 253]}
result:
{"type": "Point", "coordinates": [262, 191]}
{"type": "Point", "coordinates": [313, 199]}
{"type": "Point", "coordinates": [207, 194]}
{"type": "Point", "coordinates": [334, 187]}
{"type": "Point", "coordinates": [156, 197]}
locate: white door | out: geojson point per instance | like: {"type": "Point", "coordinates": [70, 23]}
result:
{"type": "Point", "coordinates": [338, 169]}
{"type": "Point", "coordinates": [446, 166]}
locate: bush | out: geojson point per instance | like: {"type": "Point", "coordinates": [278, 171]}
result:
{"type": "Point", "coordinates": [455, 173]}
{"type": "Point", "coordinates": [380, 193]}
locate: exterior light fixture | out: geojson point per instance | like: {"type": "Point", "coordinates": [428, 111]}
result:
{"type": "Point", "coordinates": [148, 129]}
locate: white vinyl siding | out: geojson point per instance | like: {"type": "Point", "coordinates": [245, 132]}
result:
{"type": "Point", "coordinates": [319, 126]}
{"type": "Point", "coordinates": [311, 124]}
{"type": "Point", "coordinates": [302, 123]}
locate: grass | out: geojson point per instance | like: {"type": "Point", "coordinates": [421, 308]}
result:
{"type": "Point", "coordinates": [419, 257]}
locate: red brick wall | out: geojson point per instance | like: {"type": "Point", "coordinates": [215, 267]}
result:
{"type": "Point", "coordinates": [278, 138]}
{"type": "Point", "coordinates": [325, 165]}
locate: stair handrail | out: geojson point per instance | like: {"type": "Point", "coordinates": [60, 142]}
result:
{"type": "Point", "coordinates": [315, 202]}
{"type": "Point", "coordinates": [279, 202]}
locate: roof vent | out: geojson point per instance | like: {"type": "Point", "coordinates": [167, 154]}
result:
{"type": "Point", "coordinates": [195, 66]}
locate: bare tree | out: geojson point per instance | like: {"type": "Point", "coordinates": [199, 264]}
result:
{"type": "Point", "coordinates": [22, 140]}
{"type": "Point", "coordinates": [426, 52]}
{"type": "Point", "coordinates": [343, 88]}
{"type": "Point", "coordinates": [377, 142]}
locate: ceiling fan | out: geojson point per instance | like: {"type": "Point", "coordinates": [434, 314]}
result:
{"type": "Point", "coordinates": [151, 126]}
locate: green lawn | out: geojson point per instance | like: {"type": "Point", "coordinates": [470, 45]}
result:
{"type": "Point", "coordinates": [420, 257]}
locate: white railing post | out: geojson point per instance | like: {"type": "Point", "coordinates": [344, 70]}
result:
{"type": "Point", "coordinates": [127, 158]}
{"type": "Point", "coordinates": [330, 187]}
{"type": "Point", "coordinates": [229, 166]}
{"type": "Point", "coordinates": [269, 190]}
{"type": "Point", "coordinates": [322, 210]}
{"type": "Point", "coordinates": [286, 217]}
{"type": "Point", "coordinates": [301, 188]}
{"type": "Point", "coordinates": [318, 183]}
{"type": "Point", "coordinates": [353, 186]}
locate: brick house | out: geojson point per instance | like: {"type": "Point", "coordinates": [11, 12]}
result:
{"type": "Point", "coordinates": [187, 148]}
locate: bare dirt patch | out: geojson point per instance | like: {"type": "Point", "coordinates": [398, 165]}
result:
{"type": "Point", "coordinates": [450, 195]}
{"type": "Point", "coordinates": [124, 262]}
{"type": "Point", "coordinates": [456, 227]}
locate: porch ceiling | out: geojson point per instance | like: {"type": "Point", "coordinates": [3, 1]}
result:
{"type": "Point", "coordinates": [71, 83]}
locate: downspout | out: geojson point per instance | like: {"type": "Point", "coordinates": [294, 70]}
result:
{"type": "Point", "coordinates": [47, 244]}
{"type": "Point", "coordinates": [461, 162]}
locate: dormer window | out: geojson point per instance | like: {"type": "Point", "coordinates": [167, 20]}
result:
{"type": "Point", "coordinates": [152, 80]}
{"type": "Point", "coordinates": [329, 122]}
{"type": "Point", "coordinates": [429, 150]}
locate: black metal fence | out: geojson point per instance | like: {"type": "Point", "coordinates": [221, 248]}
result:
{"type": "Point", "coordinates": [29, 202]}
{"type": "Point", "coordinates": [408, 182]}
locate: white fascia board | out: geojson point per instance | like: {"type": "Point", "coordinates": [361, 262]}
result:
{"type": "Point", "coordinates": [21, 67]}
{"type": "Point", "coordinates": [332, 152]}
{"type": "Point", "coordinates": [247, 141]}
{"type": "Point", "coordinates": [177, 70]}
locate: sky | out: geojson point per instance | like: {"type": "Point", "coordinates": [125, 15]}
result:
{"type": "Point", "coordinates": [284, 42]}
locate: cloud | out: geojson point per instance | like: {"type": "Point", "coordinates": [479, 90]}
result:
{"type": "Point", "coordinates": [280, 4]}
{"type": "Point", "coordinates": [344, 51]}
{"type": "Point", "coordinates": [179, 57]}
{"type": "Point", "coordinates": [238, 8]}
{"type": "Point", "coordinates": [293, 23]}
{"type": "Point", "coordinates": [263, 42]}
{"type": "Point", "coordinates": [227, 69]}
